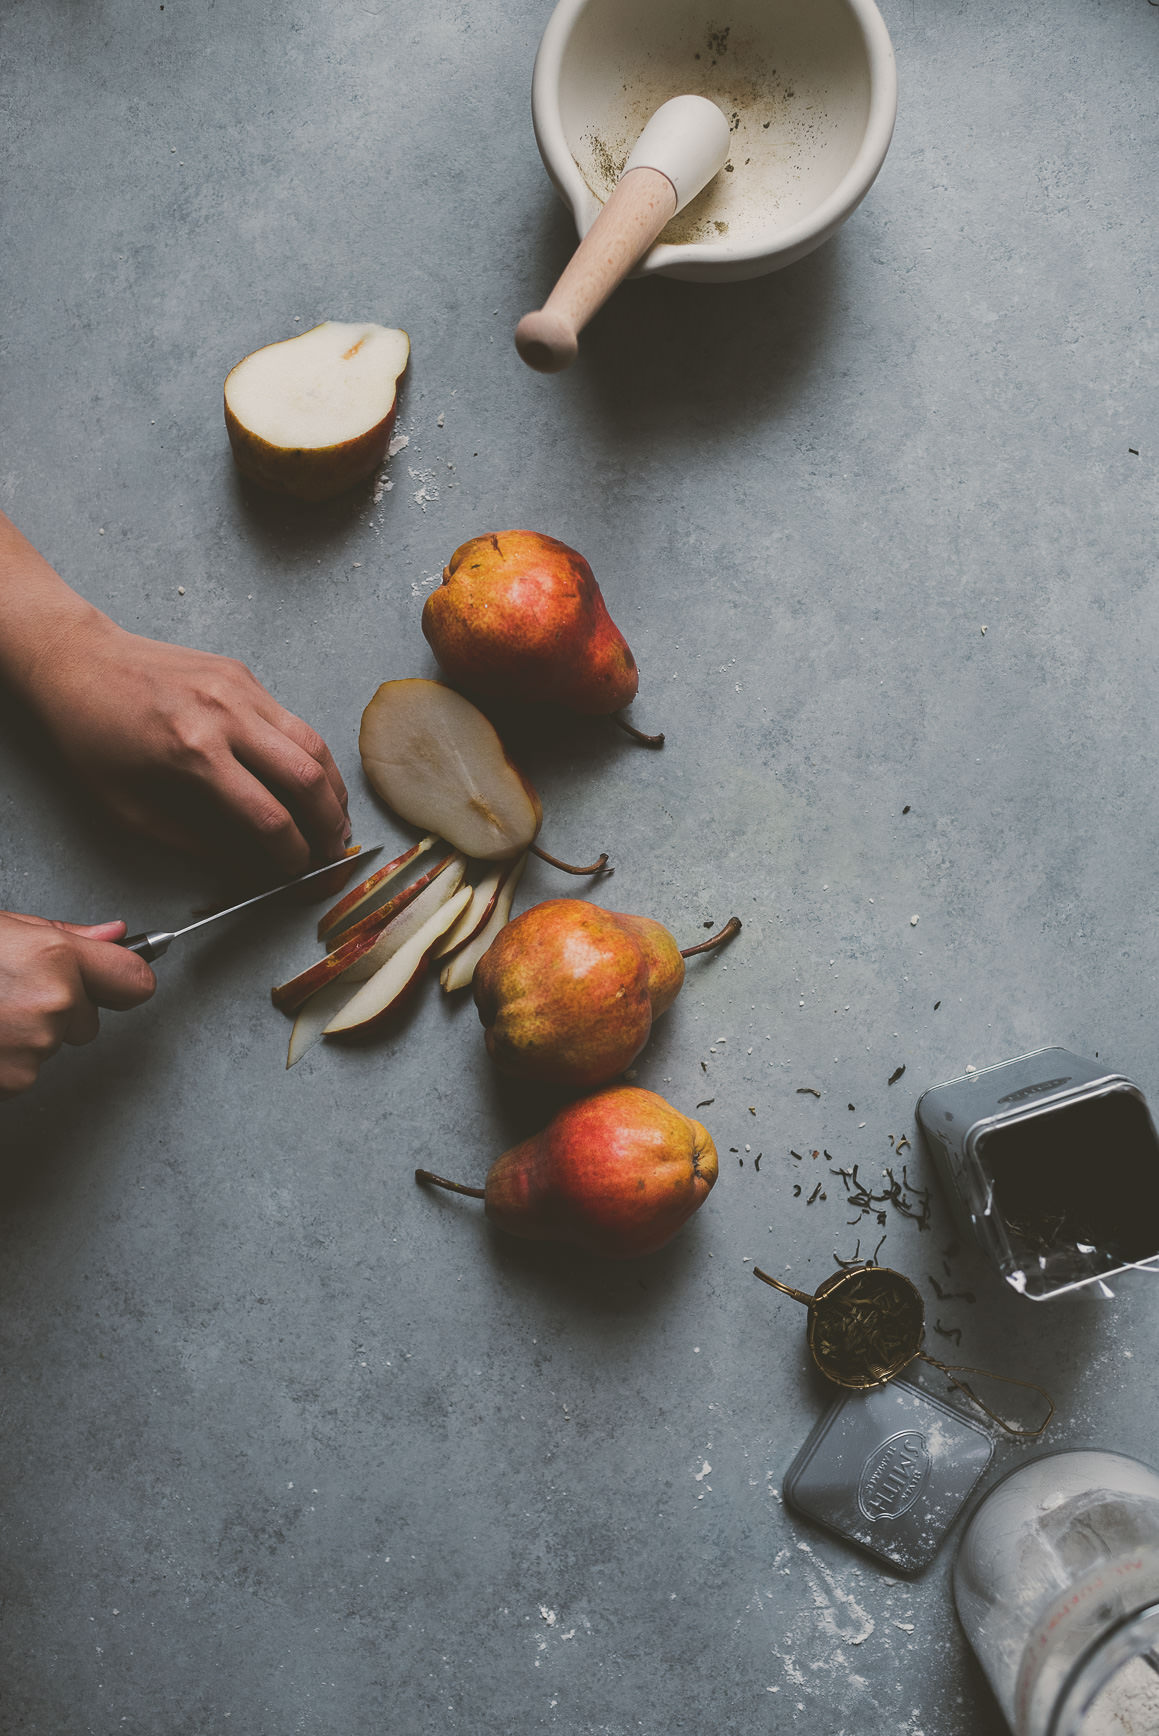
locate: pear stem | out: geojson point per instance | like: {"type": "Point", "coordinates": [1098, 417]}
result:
{"type": "Point", "coordinates": [425, 1175]}
{"type": "Point", "coordinates": [731, 927]}
{"type": "Point", "coordinates": [637, 734]}
{"type": "Point", "coordinates": [600, 867]}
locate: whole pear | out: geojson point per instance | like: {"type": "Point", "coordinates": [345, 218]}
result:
{"type": "Point", "coordinates": [567, 992]}
{"type": "Point", "coordinates": [617, 1174]}
{"type": "Point", "coordinates": [520, 615]}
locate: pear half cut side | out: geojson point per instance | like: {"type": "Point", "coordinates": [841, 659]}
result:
{"type": "Point", "coordinates": [311, 416]}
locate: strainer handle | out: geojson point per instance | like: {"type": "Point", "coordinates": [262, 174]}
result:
{"type": "Point", "coordinates": [797, 1295]}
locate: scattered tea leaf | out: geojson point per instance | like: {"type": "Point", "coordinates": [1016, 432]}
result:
{"type": "Point", "coordinates": [895, 1076]}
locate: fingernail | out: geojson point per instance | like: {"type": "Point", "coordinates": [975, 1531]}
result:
{"type": "Point", "coordinates": [99, 930]}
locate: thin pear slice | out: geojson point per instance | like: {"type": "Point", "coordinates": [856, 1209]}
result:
{"type": "Point", "coordinates": [481, 905]}
{"type": "Point", "coordinates": [377, 999]}
{"type": "Point", "coordinates": [364, 939]}
{"type": "Point", "coordinates": [459, 971]}
{"type": "Point", "coordinates": [315, 1015]}
{"type": "Point", "coordinates": [378, 919]}
{"type": "Point", "coordinates": [361, 899]}
{"type": "Point", "coordinates": [291, 995]}
{"type": "Point", "coordinates": [408, 922]}
{"type": "Point", "coordinates": [438, 762]}
{"type": "Point", "coordinates": [311, 416]}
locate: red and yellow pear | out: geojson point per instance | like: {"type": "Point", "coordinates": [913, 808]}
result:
{"type": "Point", "coordinates": [616, 1174]}
{"type": "Point", "coordinates": [568, 992]}
{"type": "Point", "coordinates": [520, 616]}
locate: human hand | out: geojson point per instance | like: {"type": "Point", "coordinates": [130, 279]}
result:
{"type": "Point", "coordinates": [53, 977]}
{"type": "Point", "coordinates": [189, 748]}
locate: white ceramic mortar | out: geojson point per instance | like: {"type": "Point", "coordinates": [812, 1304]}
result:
{"type": "Point", "coordinates": [809, 87]}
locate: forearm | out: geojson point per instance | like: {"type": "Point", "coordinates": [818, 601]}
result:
{"type": "Point", "coordinates": [41, 618]}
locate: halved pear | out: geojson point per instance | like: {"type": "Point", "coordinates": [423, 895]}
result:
{"type": "Point", "coordinates": [438, 762]}
{"type": "Point", "coordinates": [364, 897]}
{"type": "Point", "coordinates": [380, 998]}
{"type": "Point", "coordinates": [311, 416]}
{"type": "Point", "coordinates": [459, 971]}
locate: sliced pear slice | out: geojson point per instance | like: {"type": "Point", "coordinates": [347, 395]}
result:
{"type": "Point", "coordinates": [438, 762]}
{"type": "Point", "coordinates": [291, 995]}
{"type": "Point", "coordinates": [408, 922]}
{"type": "Point", "coordinates": [312, 415]}
{"type": "Point", "coordinates": [481, 905]}
{"type": "Point", "coordinates": [386, 912]}
{"type": "Point", "coordinates": [361, 899]}
{"type": "Point", "coordinates": [377, 999]}
{"type": "Point", "coordinates": [364, 940]}
{"type": "Point", "coordinates": [459, 971]}
{"type": "Point", "coordinates": [315, 1015]}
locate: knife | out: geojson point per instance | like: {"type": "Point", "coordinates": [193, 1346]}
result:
{"type": "Point", "coordinates": [152, 945]}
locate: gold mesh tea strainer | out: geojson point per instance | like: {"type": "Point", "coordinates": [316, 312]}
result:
{"type": "Point", "coordinates": [867, 1323]}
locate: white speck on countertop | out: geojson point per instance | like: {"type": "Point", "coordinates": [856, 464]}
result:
{"type": "Point", "coordinates": [913, 921]}
{"type": "Point", "coordinates": [181, 590]}
{"type": "Point", "coordinates": [440, 419]}
{"type": "Point", "coordinates": [398, 441]}
{"type": "Point", "coordinates": [548, 1615]}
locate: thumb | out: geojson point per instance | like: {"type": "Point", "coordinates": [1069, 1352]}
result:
{"type": "Point", "coordinates": [94, 930]}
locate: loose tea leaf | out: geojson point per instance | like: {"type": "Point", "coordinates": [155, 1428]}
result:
{"type": "Point", "coordinates": [867, 1327]}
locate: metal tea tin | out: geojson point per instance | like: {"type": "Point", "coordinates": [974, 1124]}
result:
{"type": "Point", "coordinates": [996, 1133]}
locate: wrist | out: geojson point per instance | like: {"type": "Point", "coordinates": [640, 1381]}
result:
{"type": "Point", "coordinates": [47, 654]}
{"type": "Point", "coordinates": [44, 624]}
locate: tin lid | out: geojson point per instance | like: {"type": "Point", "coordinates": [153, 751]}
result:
{"type": "Point", "coordinates": [889, 1470]}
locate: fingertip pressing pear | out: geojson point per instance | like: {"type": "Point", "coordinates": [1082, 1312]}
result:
{"type": "Point", "coordinates": [616, 1174]}
{"type": "Point", "coordinates": [520, 615]}
{"type": "Point", "coordinates": [568, 992]}
{"type": "Point", "coordinates": [311, 416]}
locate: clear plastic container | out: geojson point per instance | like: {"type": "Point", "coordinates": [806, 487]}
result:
{"type": "Point", "coordinates": [1057, 1586]}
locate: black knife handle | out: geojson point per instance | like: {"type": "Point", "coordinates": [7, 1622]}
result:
{"type": "Point", "coordinates": [146, 946]}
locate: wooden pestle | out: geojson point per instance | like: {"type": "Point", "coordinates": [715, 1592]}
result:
{"type": "Point", "coordinates": [640, 205]}
{"type": "Point", "coordinates": [679, 151]}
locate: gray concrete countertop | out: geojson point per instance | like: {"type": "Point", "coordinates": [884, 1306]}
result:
{"type": "Point", "coordinates": [290, 1445]}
